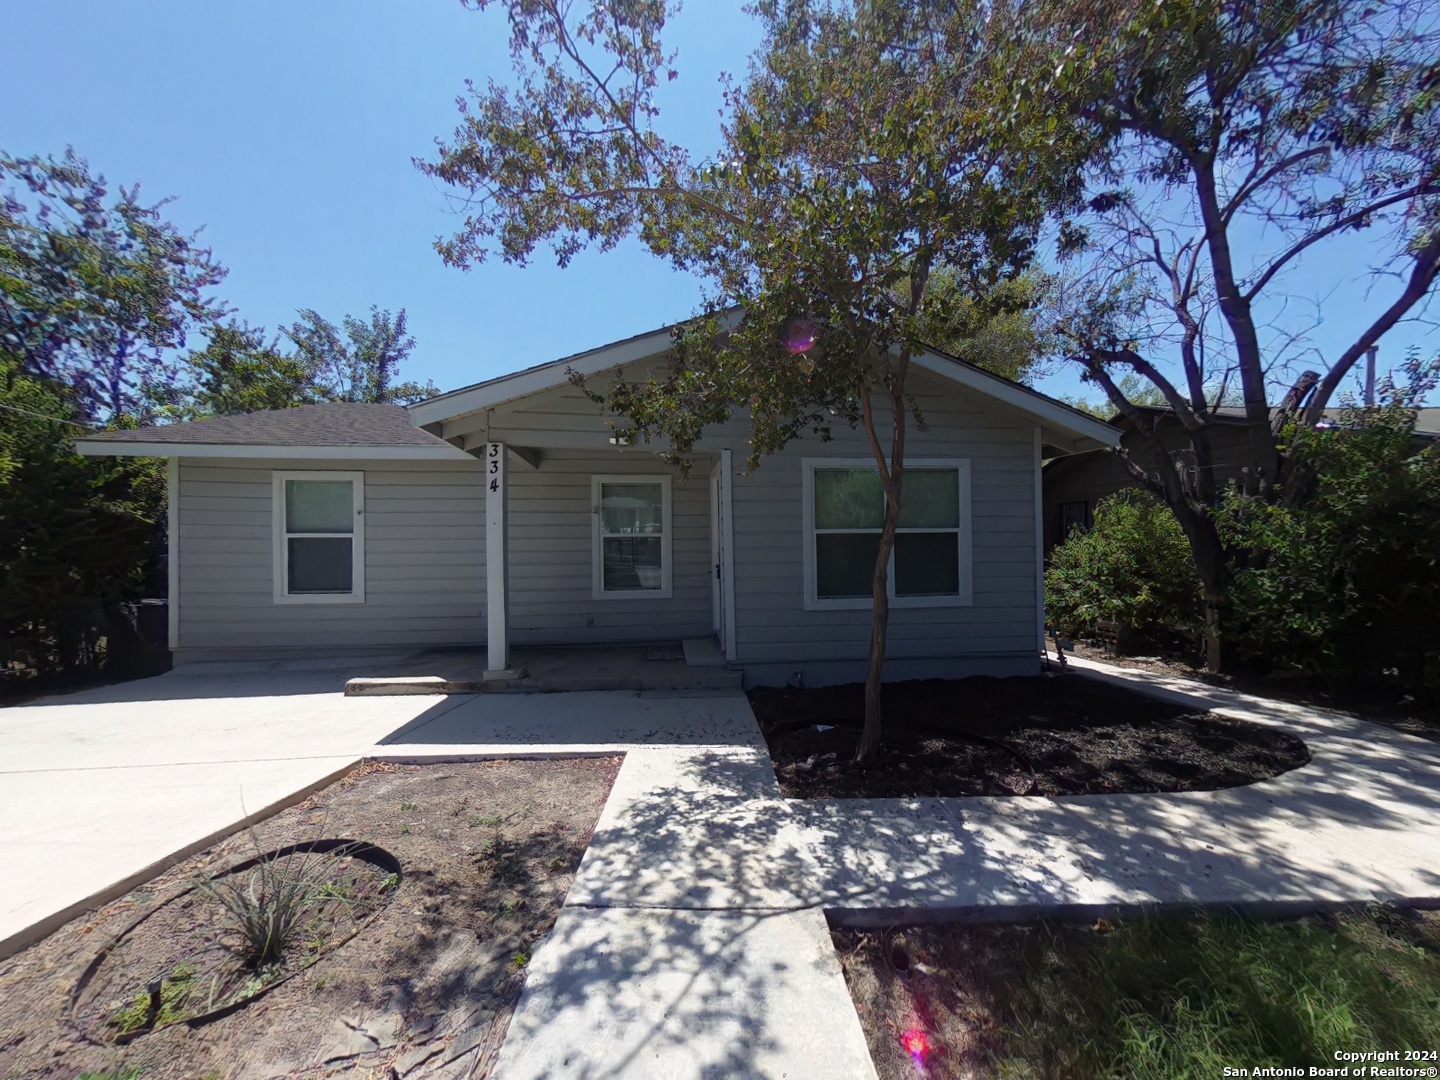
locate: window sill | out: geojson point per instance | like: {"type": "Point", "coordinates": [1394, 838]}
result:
{"type": "Point", "coordinates": [632, 594]}
{"type": "Point", "coordinates": [321, 598]}
{"type": "Point", "coordinates": [864, 603]}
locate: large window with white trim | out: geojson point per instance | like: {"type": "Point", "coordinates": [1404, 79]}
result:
{"type": "Point", "coordinates": [319, 537]}
{"type": "Point", "coordinates": [844, 515]}
{"type": "Point", "coordinates": [632, 536]}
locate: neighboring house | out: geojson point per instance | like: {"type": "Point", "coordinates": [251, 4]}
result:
{"type": "Point", "coordinates": [506, 513]}
{"type": "Point", "coordinates": [1075, 483]}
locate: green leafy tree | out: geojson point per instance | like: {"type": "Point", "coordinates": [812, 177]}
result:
{"type": "Point", "coordinates": [1232, 139]}
{"type": "Point", "coordinates": [1343, 584]}
{"type": "Point", "coordinates": [855, 160]}
{"type": "Point", "coordinates": [77, 535]}
{"type": "Point", "coordinates": [1000, 331]}
{"type": "Point", "coordinates": [358, 360]}
{"type": "Point", "coordinates": [96, 290]}
{"type": "Point", "coordinates": [239, 371]}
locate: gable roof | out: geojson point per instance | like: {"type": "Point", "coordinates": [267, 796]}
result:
{"type": "Point", "coordinates": [326, 429]}
{"type": "Point", "coordinates": [1057, 417]}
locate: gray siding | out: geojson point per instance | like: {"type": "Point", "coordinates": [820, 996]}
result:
{"type": "Point", "coordinates": [777, 636]}
{"type": "Point", "coordinates": [425, 549]}
{"type": "Point", "coordinates": [551, 554]}
{"type": "Point", "coordinates": [424, 561]}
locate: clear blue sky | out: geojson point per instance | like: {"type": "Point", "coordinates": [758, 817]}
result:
{"type": "Point", "coordinates": [287, 129]}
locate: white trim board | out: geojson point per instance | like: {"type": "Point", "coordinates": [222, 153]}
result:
{"type": "Point", "coordinates": [94, 448]}
{"type": "Point", "coordinates": [172, 552]}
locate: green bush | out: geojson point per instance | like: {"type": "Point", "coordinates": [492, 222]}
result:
{"type": "Point", "coordinates": [1134, 567]}
{"type": "Point", "coordinates": [78, 536]}
{"type": "Point", "coordinates": [1344, 582]}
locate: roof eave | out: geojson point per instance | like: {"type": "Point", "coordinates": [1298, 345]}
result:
{"type": "Point", "coordinates": [1064, 427]}
{"type": "Point", "coordinates": [131, 448]}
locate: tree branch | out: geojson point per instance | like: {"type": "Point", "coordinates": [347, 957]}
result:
{"type": "Point", "coordinates": [1335, 226]}
{"type": "Point", "coordinates": [1422, 278]}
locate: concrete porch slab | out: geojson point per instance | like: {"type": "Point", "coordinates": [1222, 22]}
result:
{"type": "Point", "coordinates": [685, 995]}
{"type": "Point", "coordinates": [555, 670]}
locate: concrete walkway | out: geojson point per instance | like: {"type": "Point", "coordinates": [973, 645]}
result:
{"type": "Point", "coordinates": [693, 942]}
{"type": "Point", "coordinates": [1360, 822]}
{"type": "Point", "coordinates": [690, 945]}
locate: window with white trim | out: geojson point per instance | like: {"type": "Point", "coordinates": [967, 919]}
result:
{"type": "Point", "coordinates": [632, 540]}
{"type": "Point", "coordinates": [844, 515]}
{"type": "Point", "coordinates": [319, 537]}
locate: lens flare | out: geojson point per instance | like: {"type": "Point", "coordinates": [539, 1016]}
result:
{"type": "Point", "coordinates": [916, 1043]}
{"type": "Point", "coordinates": [798, 335]}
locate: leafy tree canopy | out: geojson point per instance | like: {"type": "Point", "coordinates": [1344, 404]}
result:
{"type": "Point", "coordinates": [856, 158]}
{"type": "Point", "coordinates": [96, 289]}
{"type": "Point", "coordinates": [358, 360]}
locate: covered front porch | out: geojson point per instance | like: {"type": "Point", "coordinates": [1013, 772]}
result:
{"type": "Point", "coordinates": [614, 553]}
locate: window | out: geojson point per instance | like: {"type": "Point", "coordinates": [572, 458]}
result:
{"type": "Point", "coordinates": [319, 537]}
{"type": "Point", "coordinates": [632, 536]}
{"type": "Point", "coordinates": [844, 514]}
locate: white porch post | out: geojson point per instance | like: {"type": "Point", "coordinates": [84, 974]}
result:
{"type": "Point", "coordinates": [497, 564]}
{"type": "Point", "coordinates": [172, 552]}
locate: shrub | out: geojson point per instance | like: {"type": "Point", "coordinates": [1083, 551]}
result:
{"type": "Point", "coordinates": [1133, 566]}
{"type": "Point", "coordinates": [1342, 580]}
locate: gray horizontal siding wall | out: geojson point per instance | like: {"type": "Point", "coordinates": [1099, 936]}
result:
{"type": "Point", "coordinates": [424, 561]}
{"type": "Point", "coordinates": [552, 551]}
{"type": "Point", "coordinates": [776, 636]}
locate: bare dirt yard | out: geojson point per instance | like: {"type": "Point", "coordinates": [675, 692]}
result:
{"type": "Point", "coordinates": [1041, 735]}
{"type": "Point", "coordinates": [408, 956]}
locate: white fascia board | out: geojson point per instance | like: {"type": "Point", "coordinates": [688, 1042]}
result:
{"type": "Point", "coordinates": [509, 387]}
{"type": "Point", "coordinates": [1055, 415]}
{"type": "Point", "coordinates": [92, 448]}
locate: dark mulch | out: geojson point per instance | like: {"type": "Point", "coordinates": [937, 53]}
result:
{"type": "Point", "coordinates": [425, 987]}
{"type": "Point", "coordinates": [1043, 735]}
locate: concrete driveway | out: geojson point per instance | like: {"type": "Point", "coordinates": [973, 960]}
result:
{"type": "Point", "coordinates": [99, 787]}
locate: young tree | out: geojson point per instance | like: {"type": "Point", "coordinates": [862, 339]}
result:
{"type": "Point", "coordinates": [95, 291]}
{"type": "Point", "coordinates": [1234, 139]}
{"type": "Point", "coordinates": [360, 364]}
{"type": "Point", "coordinates": [854, 162]}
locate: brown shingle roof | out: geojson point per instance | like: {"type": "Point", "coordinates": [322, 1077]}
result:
{"type": "Point", "coordinates": [336, 423]}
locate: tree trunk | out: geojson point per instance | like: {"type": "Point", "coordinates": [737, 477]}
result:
{"type": "Point", "coordinates": [892, 475]}
{"type": "Point", "coordinates": [1210, 564]}
{"type": "Point", "coordinates": [879, 631]}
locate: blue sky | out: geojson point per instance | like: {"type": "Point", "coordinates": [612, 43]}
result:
{"type": "Point", "coordinates": [287, 130]}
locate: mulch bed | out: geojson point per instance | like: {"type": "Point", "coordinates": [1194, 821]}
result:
{"type": "Point", "coordinates": [413, 975]}
{"type": "Point", "coordinates": [1043, 735]}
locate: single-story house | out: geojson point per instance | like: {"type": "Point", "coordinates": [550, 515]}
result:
{"type": "Point", "coordinates": [1075, 483]}
{"type": "Point", "coordinates": [508, 513]}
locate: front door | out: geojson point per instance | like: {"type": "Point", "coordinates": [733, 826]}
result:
{"type": "Point", "coordinates": [719, 616]}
